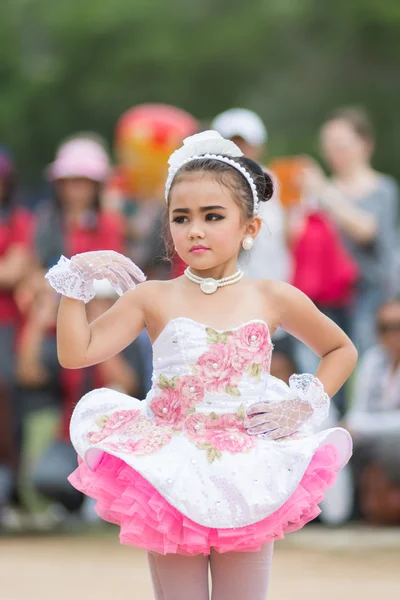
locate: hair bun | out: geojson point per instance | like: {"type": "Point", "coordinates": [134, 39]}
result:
{"type": "Point", "coordinates": [262, 179]}
{"type": "Point", "coordinates": [269, 187]}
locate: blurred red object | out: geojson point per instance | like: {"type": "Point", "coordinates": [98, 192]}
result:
{"type": "Point", "coordinates": [323, 268]}
{"type": "Point", "coordinates": [287, 171]}
{"type": "Point", "coordinates": [178, 267]}
{"type": "Point", "coordinates": [16, 231]}
{"type": "Point", "coordinates": [146, 136]}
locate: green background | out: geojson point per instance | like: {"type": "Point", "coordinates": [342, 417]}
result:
{"type": "Point", "coordinates": [70, 65]}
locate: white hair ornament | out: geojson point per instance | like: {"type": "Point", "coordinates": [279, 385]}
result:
{"type": "Point", "coordinates": [208, 144]}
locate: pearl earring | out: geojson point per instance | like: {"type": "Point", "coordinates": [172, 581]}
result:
{"type": "Point", "coordinates": [248, 242]}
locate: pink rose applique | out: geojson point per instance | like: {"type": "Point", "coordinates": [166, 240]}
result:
{"type": "Point", "coordinates": [215, 435]}
{"type": "Point", "coordinates": [152, 438]}
{"type": "Point", "coordinates": [158, 438]}
{"type": "Point", "coordinates": [216, 370]}
{"type": "Point", "coordinates": [169, 407]}
{"type": "Point", "coordinates": [95, 437]}
{"type": "Point", "coordinates": [231, 441]}
{"type": "Point", "coordinates": [195, 426]}
{"type": "Point", "coordinates": [241, 359]}
{"type": "Point", "coordinates": [227, 433]}
{"type": "Point", "coordinates": [228, 422]}
{"type": "Point", "coordinates": [129, 447]}
{"type": "Point", "coordinates": [120, 419]}
{"type": "Point", "coordinates": [191, 388]}
{"type": "Point", "coordinates": [116, 423]}
{"type": "Point", "coordinates": [142, 425]}
{"type": "Point", "coordinates": [251, 344]}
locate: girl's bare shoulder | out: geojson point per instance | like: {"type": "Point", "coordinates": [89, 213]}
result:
{"type": "Point", "coordinates": [152, 286]}
{"type": "Point", "coordinates": [151, 292]}
{"type": "Point", "coordinates": [281, 296]}
{"type": "Point", "coordinates": [276, 289]}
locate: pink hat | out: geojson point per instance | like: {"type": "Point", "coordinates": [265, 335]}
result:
{"type": "Point", "coordinates": [80, 157]}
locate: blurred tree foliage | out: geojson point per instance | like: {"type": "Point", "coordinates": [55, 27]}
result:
{"type": "Point", "coordinates": [78, 64]}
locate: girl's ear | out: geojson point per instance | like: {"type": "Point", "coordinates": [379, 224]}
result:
{"type": "Point", "coordinates": [253, 227]}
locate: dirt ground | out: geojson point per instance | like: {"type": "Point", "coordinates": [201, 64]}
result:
{"type": "Point", "coordinates": [85, 566]}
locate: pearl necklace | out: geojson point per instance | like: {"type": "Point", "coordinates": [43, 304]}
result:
{"type": "Point", "coordinates": [208, 285]}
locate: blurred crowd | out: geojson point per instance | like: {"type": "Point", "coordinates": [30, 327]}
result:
{"type": "Point", "coordinates": [333, 236]}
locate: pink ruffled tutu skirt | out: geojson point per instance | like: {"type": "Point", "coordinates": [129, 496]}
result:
{"type": "Point", "coordinates": [148, 521]}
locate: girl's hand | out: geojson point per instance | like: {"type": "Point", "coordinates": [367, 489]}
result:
{"type": "Point", "coordinates": [274, 420]}
{"type": "Point", "coordinates": [107, 264]}
{"type": "Point", "coordinates": [74, 278]}
{"type": "Point", "coordinates": [288, 407]}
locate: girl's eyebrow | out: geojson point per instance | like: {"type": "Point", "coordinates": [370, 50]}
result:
{"type": "Point", "coordinates": [206, 208]}
{"type": "Point", "coordinates": [202, 209]}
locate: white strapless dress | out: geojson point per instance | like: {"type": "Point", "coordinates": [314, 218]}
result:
{"type": "Point", "coordinates": [178, 471]}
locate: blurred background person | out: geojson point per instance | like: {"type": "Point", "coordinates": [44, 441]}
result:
{"type": "Point", "coordinates": [72, 220]}
{"type": "Point", "coordinates": [246, 129]}
{"type": "Point", "coordinates": [269, 258]}
{"type": "Point", "coordinates": [323, 269]}
{"type": "Point", "coordinates": [145, 137]}
{"type": "Point", "coordinates": [374, 420]}
{"type": "Point", "coordinates": [39, 371]}
{"type": "Point", "coordinates": [364, 205]}
{"type": "Point", "coordinates": [15, 261]}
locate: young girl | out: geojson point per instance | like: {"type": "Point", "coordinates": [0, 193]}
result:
{"type": "Point", "coordinates": [220, 459]}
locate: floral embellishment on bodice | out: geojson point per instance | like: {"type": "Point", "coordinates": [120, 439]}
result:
{"type": "Point", "coordinates": [230, 355]}
{"type": "Point", "coordinates": [177, 398]}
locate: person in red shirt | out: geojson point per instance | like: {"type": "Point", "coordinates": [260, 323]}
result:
{"type": "Point", "coordinates": [15, 240]}
{"type": "Point", "coordinates": [73, 221]}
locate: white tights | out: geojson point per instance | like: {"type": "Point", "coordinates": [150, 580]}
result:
{"type": "Point", "coordinates": [234, 575]}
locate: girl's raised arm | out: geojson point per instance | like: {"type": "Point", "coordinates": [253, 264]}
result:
{"type": "Point", "coordinates": [79, 343]}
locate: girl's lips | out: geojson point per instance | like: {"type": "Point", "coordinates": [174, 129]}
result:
{"type": "Point", "coordinates": [199, 249]}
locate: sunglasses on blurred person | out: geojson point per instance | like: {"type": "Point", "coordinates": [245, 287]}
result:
{"type": "Point", "coordinates": [388, 327]}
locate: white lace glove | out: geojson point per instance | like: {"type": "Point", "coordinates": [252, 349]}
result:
{"type": "Point", "coordinates": [74, 277]}
{"type": "Point", "coordinates": [288, 408]}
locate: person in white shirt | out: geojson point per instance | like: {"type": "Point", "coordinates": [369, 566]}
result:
{"type": "Point", "coordinates": [374, 416]}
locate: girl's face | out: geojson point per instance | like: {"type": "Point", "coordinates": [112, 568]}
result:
{"type": "Point", "coordinates": [76, 192]}
{"type": "Point", "coordinates": [207, 225]}
{"type": "Point", "coordinates": [342, 147]}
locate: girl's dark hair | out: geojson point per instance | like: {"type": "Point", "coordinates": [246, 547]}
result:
{"type": "Point", "coordinates": [231, 178]}
{"type": "Point", "coordinates": [358, 119]}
